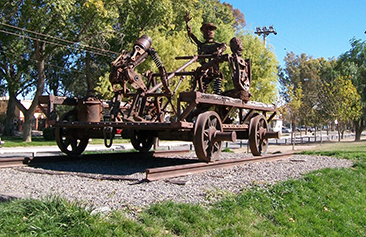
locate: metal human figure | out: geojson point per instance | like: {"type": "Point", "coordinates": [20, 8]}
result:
{"type": "Point", "coordinates": [123, 68]}
{"type": "Point", "coordinates": [123, 72]}
{"type": "Point", "coordinates": [210, 69]}
{"type": "Point", "coordinates": [241, 68]}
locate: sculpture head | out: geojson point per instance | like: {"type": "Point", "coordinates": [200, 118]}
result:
{"type": "Point", "coordinates": [236, 46]}
{"type": "Point", "coordinates": [208, 31]}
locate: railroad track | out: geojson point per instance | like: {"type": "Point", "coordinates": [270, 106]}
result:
{"type": "Point", "coordinates": [181, 170]}
{"type": "Point", "coordinates": [152, 174]}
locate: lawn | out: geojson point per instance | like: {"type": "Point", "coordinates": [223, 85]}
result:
{"type": "Point", "coordinates": [328, 202]}
{"type": "Point", "coordinates": [40, 141]}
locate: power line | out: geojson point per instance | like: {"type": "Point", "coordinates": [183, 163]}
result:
{"type": "Point", "coordinates": [59, 43]}
{"type": "Point", "coordinates": [49, 42]}
{"type": "Point", "coordinates": [294, 45]}
{"type": "Point", "coordinates": [59, 39]}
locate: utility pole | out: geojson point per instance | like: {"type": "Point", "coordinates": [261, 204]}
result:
{"type": "Point", "coordinates": [265, 32]}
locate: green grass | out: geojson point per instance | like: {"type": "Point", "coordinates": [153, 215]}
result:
{"type": "Point", "coordinates": [348, 150]}
{"type": "Point", "coordinates": [328, 202]}
{"type": "Point", "coordinates": [18, 142]}
{"type": "Point", "coordinates": [40, 141]}
{"type": "Point", "coordinates": [227, 150]}
{"type": "Point", "coordinates": [57, 217]}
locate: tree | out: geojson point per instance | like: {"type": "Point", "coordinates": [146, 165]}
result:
{"type": "Point", "coordinates": [41, 28]}
{"type": "Point", "coordinates": [352, 64]}
{"type": "Point", "coordinates": [302, 70]}
{"type": "Point", "coordinates": [341, 101]}
{"type": "Point", "coordinates": [75, 67]}
{"type": "Point", "coordinates": [240, 22]}
{"type": "Point", "coordinates": [264, 69]}
{"type": "Point", "coordinates": [46, 18]}
{"type": "Point", "coordinates": [15, 64]}
{"type": "Point", "coordinates": [293, 105]}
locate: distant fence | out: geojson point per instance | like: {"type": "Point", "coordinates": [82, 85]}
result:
{"type": "Point", "coordinates": [287, 141]}
{"type": "Point", "coordinates": [308, 139]}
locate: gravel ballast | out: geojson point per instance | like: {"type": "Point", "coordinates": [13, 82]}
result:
{"type": "Point", "coordinates": [198, 188]}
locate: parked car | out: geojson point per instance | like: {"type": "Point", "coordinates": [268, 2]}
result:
{"type": "Point", "coordinates": [286, 130]}
{"type": "Point", "coordinates": [303, 129]}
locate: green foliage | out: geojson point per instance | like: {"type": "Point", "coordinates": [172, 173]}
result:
{"type": "Point", "coordinates": [352, 64]}
{"type": "Point", "coordinates": [104, 87]}
{"type": "Point", "coordinates": [302, 71]}
{"type": "Point", "coordinates": [327, 96]}
{"type": "Point", "coordinates": [16, 68]}
{"type": "Point", "coordinates": [168, 47]}
{"type": "Point", "coordinates": [264, 68]}
{"type": "Point", "coordinates": [341, 100]}
{"type": "Point", "coordinates": [294, 102]}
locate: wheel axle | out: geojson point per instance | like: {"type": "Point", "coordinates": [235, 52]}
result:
{"type": "Point", "coordinates": [268, 134]}
{"type": "Point", "coordinates": [224, 136]}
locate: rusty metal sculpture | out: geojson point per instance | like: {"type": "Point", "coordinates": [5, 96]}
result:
{"type": "Point", "coordinates": [241, 68]}
{"type": "Point", "coordinates": [210, 69]}
{"type": "Point", "coordinates": [143, 103]}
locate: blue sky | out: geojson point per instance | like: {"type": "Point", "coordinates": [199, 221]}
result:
{"type": "Point", "coordinates": [321, 28]}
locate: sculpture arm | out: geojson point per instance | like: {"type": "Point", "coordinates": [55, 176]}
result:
{"type": "Point", "coordinates": [187, 19]}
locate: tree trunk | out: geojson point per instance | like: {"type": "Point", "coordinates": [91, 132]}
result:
{"type": "Point", "coordinates": [89, 80]}
{"type": "Point", "coordinates": [9, 129]}
{"type": "Point", "coordinates": [342, 134]}
{"type": "Point", "coordinates": [321, 135]}
{"type": "Point", "coordinates": [27, 126]}
{"type": "Point", "coordinates": [359, 126]}
{"type": "Point", "coordinates": [292, 134]}
{"type": "Point", "coordinates": [28, 113]}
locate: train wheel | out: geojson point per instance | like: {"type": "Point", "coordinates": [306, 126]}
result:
{"type": "Point", "coordinates": [257, 128]}
{"type": "Point", "coordinates": [141, 141]}
{"type": "Point", "coordinates": [207, 124]}
{"type": "Point", "coordinates": [71, 141]}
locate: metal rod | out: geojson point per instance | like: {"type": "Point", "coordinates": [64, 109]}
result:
{"type": "Point", "coordinates": [182, 170]}
{"type": "Point", "coordinates": [224, 136]}
{"type": "Point", "coordinates": [272, 135]}
{"type": "Point", "coordinates": [157, 86]}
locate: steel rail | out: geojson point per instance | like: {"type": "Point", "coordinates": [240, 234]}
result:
{"type": "Point", "coordinates": [12, 162]}
{"type": "Point", "coordinates": [154, 174]}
